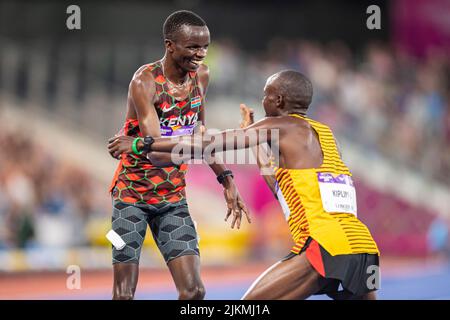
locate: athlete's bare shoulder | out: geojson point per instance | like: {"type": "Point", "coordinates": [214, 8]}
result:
{"type": "Point", "coordinates": [142, 83]}
{"type": "Point", "coordinates": [203, 76]}
{"type": "Point", "coordinates": [267, 123]}
{"type": "Point", "coordinates": [203, 70]}
{"type": "Point", "coordinates": [289, 126]}
{"type": "Point", "coordinates": [286, 122]}
{"type": "Point", "coordinates": [295, 122]}
{"type": "Point", "coordinates": [143, 74]}
{"type": "Point", "coordinates": [141, 91]}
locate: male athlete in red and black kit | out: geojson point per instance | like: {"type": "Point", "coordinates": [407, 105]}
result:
{"type": "Point", "coordinates": [165, 98]}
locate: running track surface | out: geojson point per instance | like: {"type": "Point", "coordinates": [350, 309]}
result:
{"type": "Point", "coordinates": [416, 280]}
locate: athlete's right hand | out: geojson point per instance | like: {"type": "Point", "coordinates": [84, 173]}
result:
{"type": "Point", "coordinates": [247, 116]}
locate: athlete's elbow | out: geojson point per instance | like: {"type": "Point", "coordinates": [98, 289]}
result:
{"type": "Point", "coordinates": [160, 159]}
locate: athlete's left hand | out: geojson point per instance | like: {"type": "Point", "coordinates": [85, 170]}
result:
{"type": "Point", "coordinates": [120, 144]}
{"type": "Point", "coordinates": [235, 205]}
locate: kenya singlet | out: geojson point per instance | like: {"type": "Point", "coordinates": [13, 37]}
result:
{"type": "Point", "coordinates": [136, 180]}
{"type": "Point", "coordinates": [321, 202]}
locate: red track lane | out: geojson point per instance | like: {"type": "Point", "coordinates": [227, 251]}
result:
{"type": "Point", "coordinates": [44, 284]}
{"type": "Point", "coordinates": [52, 285]}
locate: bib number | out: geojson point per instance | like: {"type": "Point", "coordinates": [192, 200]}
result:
{"type": "Point", "coordinates": [337, 192]}
{"type": "Point", "coordinates": [177, 131]}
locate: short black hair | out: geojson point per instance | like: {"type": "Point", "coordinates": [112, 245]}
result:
{"type": "Point", "coordinates": [176, 20]}
{"type": "Point", "coordinates": [295, 87]}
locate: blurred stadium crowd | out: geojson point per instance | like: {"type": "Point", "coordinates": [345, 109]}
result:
{"type": "Point", "coordinates": [45, 201]}
{"type": "Point", "coordinates": [383, 100]}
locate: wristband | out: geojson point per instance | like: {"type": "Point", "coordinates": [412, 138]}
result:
{"type": "Point", "coordinates": [225, 173]}
{"type": "Point", "coordinates": [134, 146]}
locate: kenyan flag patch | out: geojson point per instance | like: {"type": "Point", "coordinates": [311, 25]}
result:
{"type": "Point", "coordinates": [196, 102]}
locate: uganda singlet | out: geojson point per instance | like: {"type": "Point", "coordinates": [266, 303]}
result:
{"type": "Point", "coordinates": [136, 180]}
{"type": "Point", "coordinates": [321, 202]}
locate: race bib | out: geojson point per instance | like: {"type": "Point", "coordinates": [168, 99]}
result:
{"type": "Point", "coordinates": [177, 130]}
{"type": "Point", "coordinates": [337, 192]}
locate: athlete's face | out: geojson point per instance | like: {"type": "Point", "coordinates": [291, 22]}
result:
{"type": "Point", "coordinates": [190, 47]}
{"type": "Point", "coordinates": [272, 99]}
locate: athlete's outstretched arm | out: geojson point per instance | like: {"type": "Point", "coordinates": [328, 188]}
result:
{"type": "Point", "coordinates": [193, 147]}
{"type": "Point", "coordinates": [262, 152]}
{"type": "Point", "coordinates": [227, 140]}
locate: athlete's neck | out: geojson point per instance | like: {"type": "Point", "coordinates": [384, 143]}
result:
{"type": "Point", "coordinates": [298, 113]}
{"type": "Point", "coordinates": [173, 73]}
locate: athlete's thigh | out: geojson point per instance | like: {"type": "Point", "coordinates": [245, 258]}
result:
{"type": "Point", "coordinates": [130, 223]}
{"type": "Point", "coordinates": [290, 279]}
{"type": "Point", "coordinates": [175, 234]}
{"type": "Point", "coordinates": [174, 231]}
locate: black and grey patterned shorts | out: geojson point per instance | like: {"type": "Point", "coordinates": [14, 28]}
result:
{"type": "Point", "coordinates": [171, 225]}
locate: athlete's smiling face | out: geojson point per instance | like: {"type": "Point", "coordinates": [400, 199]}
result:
{"type": "Point", "coordinates": [190, 47]}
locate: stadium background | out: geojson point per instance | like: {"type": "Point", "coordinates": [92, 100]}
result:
{"type": "Point", "coordinates": [384, 92]}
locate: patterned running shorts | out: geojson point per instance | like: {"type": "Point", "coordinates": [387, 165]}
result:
{"type": "Point", "coordinates": [171, 225]}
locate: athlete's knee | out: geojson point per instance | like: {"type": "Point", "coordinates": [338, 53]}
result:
{"type": "Point", "coordinates": [123, 291]}
{"type": "Point", "coordinates": [123, 297]}
{"type": "Point", "coordinates": [127, 294]}
{"type": "Point", "coordinates": [125, 280]}
{"type": "Point", "coordinates": [195, 292]}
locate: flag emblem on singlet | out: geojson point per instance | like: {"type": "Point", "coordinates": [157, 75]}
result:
{"type": "Point", "coordinates": [196, 102]}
